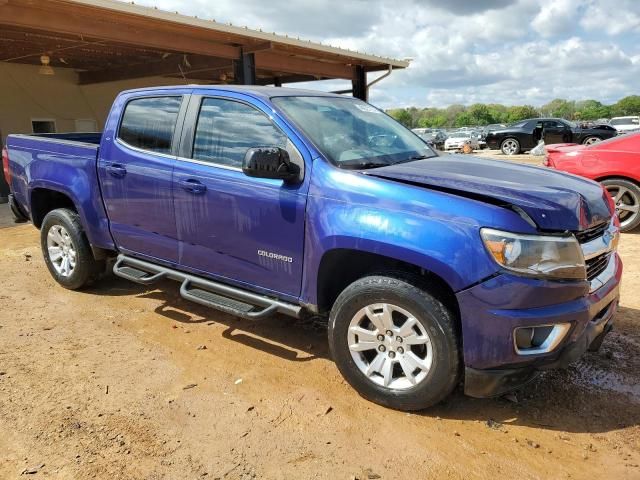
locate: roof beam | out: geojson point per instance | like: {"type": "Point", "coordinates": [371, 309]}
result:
{"type": "Point", "coordinates": [260, 47]}
{"type": "Point", "coordinates": [174, 65]}
{"type": "Point", "coordinates": [267, 60]}
{"type": "Point", "coordinates": [284, 79]}
{"type": "Point", "coordinates": [33, 16]}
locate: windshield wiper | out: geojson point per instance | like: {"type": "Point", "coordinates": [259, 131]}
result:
{"type": "Point", "coordinates": [363, 164]}
{"type": "Point", "coordinates": [420, 157]}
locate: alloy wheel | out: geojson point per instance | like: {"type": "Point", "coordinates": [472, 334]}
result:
{"type": "Point", "coordinates": [591, 140]}
{"type": "Point", "coordinates": [61, 250]}
{"type": "Point", "coordinates": [390, 346]}
{"type": "Point", "coordinates": [627, 204]}
{"type": "Point", "coordinates": [509, 147]}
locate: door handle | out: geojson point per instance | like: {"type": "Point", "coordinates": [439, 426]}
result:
{"type": "Point", "coordinates": [193, 186]}
{"type": "Point", "coordinates": [116, 170]}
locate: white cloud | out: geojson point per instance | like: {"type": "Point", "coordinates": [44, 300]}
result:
{"type": "Point", "coordinates": [556, 17]}
{"type": "Point", "coordinates": [613, 18]}
{"type": "Point", "coordinates": [498, 51]}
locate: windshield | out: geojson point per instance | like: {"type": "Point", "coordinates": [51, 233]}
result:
{"type": "Point", "coordinates": [461, 135]}
{"type": "Point", "coordinates": [352, 133]}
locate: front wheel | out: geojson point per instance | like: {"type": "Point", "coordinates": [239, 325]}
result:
{"type": "Point", "coordinates": [591, 140]}
{"type": "Point", "coordinates": [510, 146]}
{"type": "Point", "coordinates": [66, 250]}
{"type": "Point", "coordinates": [626, 196]}
{"type": "Point", "coordinates": [394, 343]}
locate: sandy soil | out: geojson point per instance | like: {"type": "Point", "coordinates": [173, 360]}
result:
{"type": "Point", "coordinates": [125, 382]}
{"type": "Point", "coordinates": [498, 155]}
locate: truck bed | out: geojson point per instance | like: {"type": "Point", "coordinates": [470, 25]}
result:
{"type": "Point", "coordinates": [77, 137]}
{"type": "Point", "coordinates": [61, 162]}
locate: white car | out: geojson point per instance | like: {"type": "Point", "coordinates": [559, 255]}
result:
{"type": "Point", "coordinates": [626, 124]}
{"type": "Point", "coordinates": [457, 140]}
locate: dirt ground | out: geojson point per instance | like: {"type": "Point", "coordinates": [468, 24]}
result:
{"type": "Point", "coordinates": [128, 382]}
{"type": "Point", "coordinates": [520, 158]}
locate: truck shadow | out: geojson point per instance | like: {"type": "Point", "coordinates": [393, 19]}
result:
{"type": "Point", "coordinates": [598, 394]}
{"type": "Point", "coordinates": [282, 336]}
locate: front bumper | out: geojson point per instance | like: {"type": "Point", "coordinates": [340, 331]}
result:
{"type": "Point", "coordinates": [492, 310]}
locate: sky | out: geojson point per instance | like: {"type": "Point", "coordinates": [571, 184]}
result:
{"type": "Point", "coordinates": [512, 52]}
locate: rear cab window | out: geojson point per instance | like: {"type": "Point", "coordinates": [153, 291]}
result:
{"type": "Point", "coordinates": [149, 123]}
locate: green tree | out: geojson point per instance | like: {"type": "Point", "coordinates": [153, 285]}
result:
{"type": "Point", "coordinates": [402, 115]}
{"type": "Point", "coordinates": [464, 120]}
{"type": "Point", "coordinates": [480, 114]}
{"type": "Point", "coordinates": [521, 112]}
{"type": "Point", "coordinates": [626, 106]}
{"type": "Point", "coordinates": [559, 108]}
{"type": "Point", "coordinates": [591, 110]}
{"type": "Point", "coordinates": [499, 113]}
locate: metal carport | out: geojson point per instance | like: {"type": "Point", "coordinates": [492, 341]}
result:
{"type": "Point", "coordinates": [105, 40]}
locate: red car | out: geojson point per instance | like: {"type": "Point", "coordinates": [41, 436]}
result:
{"type": "Point", "coordinates": [614, 162]}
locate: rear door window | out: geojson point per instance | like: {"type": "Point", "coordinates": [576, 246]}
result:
{"type": "Point", "coordinates": [149, 123]}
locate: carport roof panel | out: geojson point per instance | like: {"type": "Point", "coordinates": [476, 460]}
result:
{"type": "Point", "coordinates": [243, 32]}
{"type": "Point", "coordinates": [226, 35]}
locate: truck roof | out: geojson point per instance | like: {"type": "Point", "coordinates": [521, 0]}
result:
{"type": "Point", "coordinates": [253, 90]}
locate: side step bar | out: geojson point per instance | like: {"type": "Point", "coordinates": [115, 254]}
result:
{"type": "Point", "coordinates": [228, 299]}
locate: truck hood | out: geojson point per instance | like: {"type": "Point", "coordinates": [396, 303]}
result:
{"type": "Point", "coordinates": [552, 200]}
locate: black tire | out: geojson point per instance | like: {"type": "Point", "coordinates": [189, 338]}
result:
{"type": "Point", "coordinates": [506, 142]}
{"type": "Point", "coordinates": [628, 220]}
{"type": "Point", "coordinates": [438, 321]}
{"type": "Point", "coordinates": [87, 269]}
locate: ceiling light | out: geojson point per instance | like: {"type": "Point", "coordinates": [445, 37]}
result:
{"type": "Point", "coordinates": [45, 68]}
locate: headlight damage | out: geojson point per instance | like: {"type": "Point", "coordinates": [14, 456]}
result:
{"type": "Point", "coordinates": [556, 257]}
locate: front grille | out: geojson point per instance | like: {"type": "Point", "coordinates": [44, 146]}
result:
{"type": "Point", "coordinates": [597, 265]}
{"type": "Point", "coordinates": [594, 232]}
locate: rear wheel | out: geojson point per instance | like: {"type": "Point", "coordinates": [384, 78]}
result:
{"type": "Point", "coordinates": [626, 196]}
{"type": "Point", "coordinates": [394, 343]}
{"type": "Point", "coordinates": [66, 250]}
{"type": "Point", "coordinates": [510, 146]}
{"type": "Point", "coordinates": [591, 140]}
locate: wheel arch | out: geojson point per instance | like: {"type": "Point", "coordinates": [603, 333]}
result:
{"type": "Point", "coordinates": [617, 177]}
{"type": "Point", "coordinates": [339, 267]}
{"type": "Point", "coordinates": [45, 199]}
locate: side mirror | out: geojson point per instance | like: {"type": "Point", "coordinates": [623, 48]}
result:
{"type": "Point", "coordinates": [270, 162]}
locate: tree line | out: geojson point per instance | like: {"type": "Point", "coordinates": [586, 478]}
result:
{"type": "Point", "coordinates": [480, 114]}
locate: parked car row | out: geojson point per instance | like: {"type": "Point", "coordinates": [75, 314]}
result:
{"type": "Point", "coordinates": [522, 136]}
{"type": "Point", "coordinates": [452, 139]}
{"type": "Point", "coordinates": [433, 136]}
{"type": "Point", "coordinates": [526, 134]}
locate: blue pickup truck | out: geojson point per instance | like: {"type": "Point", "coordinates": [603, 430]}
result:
{"type": "Point", "coordinates": [431, 270]}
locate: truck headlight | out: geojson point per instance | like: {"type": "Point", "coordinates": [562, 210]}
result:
{"type": "Point", "coordinates": [556, 257]}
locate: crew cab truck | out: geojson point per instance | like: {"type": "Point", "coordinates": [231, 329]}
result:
{"type": "Point", "coordinates": [431, 269]}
